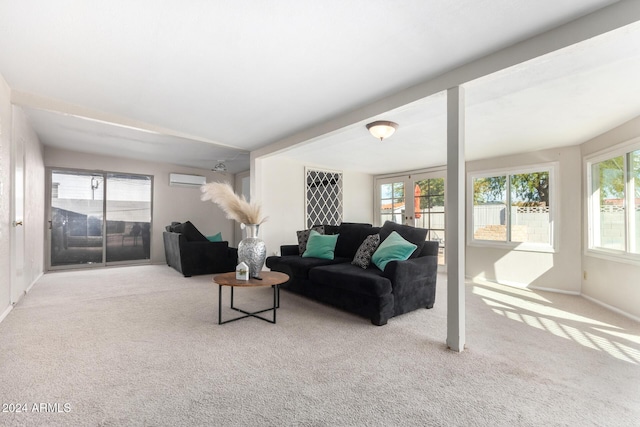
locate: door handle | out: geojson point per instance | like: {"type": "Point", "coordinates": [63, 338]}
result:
{"type": "Point", "coordinates": [17, 223]}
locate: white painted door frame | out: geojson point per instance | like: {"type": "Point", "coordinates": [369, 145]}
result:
{"type": "Point", "coordinates": [18, 285]}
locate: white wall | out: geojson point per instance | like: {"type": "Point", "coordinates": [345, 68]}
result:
{"type": "Point", "coordinates": [358, 197]}
{"type": "Point", "coordinates": [243, 188]}
{"type": "Point", "coordinates": [279, 183]}
{"type": "Point", "coordinates": [34, 199]}
{"type": "Point", "coordinates": [614, 283]}
{"type": "Point", "coordinates": [5, 197]}
{"type": "Point", "coordinates": [14, 127]}
{"type": "Point", "coordinates": [559, 271]}
{"type": "Point", "coordinates": [170, 203]}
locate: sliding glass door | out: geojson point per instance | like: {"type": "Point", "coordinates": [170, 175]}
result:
{"type": "Point", "coordinates": [128, 213]}
{"type": "Point", "coordinates": [98, 218]}
{"type": "Point", "coordinates": [76, 220]}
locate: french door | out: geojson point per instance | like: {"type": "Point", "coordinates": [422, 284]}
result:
{"type": "Point", "coordinates": [417, 200]}
{"type": "Point", "coordinates": [98, 218]}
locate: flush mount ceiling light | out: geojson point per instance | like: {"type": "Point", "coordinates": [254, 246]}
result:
{"type": "Point", "coordinates": [220, 167]}
{"type": "Point", "coordinates": [382, 129]}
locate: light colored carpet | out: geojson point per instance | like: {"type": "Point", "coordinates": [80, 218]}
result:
{"type": "Point", "coordinates": [140, 346]}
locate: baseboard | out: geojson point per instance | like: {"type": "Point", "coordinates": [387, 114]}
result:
{"type": "Point", "coordinates": [25, 292]}
{"type": "Point", "coordinates": [525, 286]}
{"type": "Point", "coordinates": [33, 283]}
{"type": "Point", "coordinates": [612, 308]}
{"type": "Point", "coordinates": [557, 291]}
{"type": "Point", "coordinates": [6, 313]}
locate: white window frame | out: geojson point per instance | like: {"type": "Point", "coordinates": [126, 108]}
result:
{"type": "Point", "coordinates": [593, 221]}
{"type": "Point", "coordinates": [554, 186]}
{"type": "Point", "coordinates": [378, 199]}
{"type": "Point", "coordinates": [407, 178]}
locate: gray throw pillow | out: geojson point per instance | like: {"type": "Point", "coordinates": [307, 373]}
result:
{"type": "Point", "coordinates": [366, 250]}
{"type": "Point", "coordinates": [303, 237]}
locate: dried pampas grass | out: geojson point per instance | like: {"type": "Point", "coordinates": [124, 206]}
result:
{"type": "Point", "coordinates": [234, 206]}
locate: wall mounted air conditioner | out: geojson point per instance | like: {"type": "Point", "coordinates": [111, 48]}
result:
{"type": "Point", "coordinates": [180, 180]}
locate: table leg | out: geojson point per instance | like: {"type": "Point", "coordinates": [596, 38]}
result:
{"type": "Point", "coordinates": [275, 301]}
{"type": "Point", "coordinates": [219, 304]}
{"type": "Point", "coordinates": [274, 307]}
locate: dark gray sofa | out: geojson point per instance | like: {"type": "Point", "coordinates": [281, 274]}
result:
{"type": "Point", "coordinates": [403, 286]}
{"type": "Point", "coordinates": [190, 253]}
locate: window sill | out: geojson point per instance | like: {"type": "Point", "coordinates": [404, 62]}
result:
{"type": "Point", "coordinates": [615, 256]}
{"type": "Point", "coordinates": [513, 246]}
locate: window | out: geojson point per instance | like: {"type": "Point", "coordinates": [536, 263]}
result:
{"type": "Point", "coordinates": [429, 208]}
{"type": "Point", "coordinates": [513, 207]}
{"type": "Point", "coordinates": [99, 218]}
{"type": "Point", "coordinates": [414, 199]}
{"type": "Point", "coordinates": [614, 203]}
{"type": "Point", "coordinates": [392, 204]}
{"type": "Point", "coordinates": [128, 217]}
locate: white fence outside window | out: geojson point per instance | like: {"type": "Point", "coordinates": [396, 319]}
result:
{"type": "Point", "coordinates": [528, 224]}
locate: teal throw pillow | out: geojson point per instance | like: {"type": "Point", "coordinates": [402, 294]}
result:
{"type": "Point", "coordinates": [215, 237]}
{"type": "Point", "coordinates": [393, 248]}
{"type": "Point", "coordinates": [320, 245]}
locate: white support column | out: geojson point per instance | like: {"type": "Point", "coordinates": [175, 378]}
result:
{"type": "Point", "coordinates": [455, 220]}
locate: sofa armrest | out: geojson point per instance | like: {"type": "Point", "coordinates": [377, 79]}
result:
{"type": "Point", "coordinates": [233, 254]}
{"type": "Point", "coordinates": [289, 250]}
{"type": "Point", "coordinates": [431, 247]}
{"type": "Point", "coordinates": [172, 250]}
{"type": "Point", "coordinates": [204, 257]}
{"type": "Point", "coordinates": [413, 274]}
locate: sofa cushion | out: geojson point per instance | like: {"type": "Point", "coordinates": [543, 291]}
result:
{"type": "Point", "coordinates": [320, 246]}
{"type": "Point", "coordinates": [363, 255]}
{"type": "Point", "coordinates": [297, 266]}
{"type": "Point", "coordinates": [351, 237]}
{"type": "Point", "coordinates": [331, 229]}
{"type": "Point", "coordinates": [303, 237]}
{"type": "Point", "coordinates": [393, 248]}
{"type": "Point", "coordinates": [190, 232]}
{"type": "Point", "coordinates": [351, 278]}
{"type": "Point", "coordinates": [414, 235]}
{"type": "Point", "coordinates": [215, 238]}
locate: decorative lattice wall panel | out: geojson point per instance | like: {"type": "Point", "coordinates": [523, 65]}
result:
{"type": "Point", "coordinates": [323, 197]}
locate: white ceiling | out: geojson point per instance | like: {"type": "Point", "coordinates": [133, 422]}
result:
{"type": "Point", "coordinates": [195, 82]}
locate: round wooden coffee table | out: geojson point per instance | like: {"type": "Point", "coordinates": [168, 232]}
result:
{"type": "Point", "coordinates": [268, 278]}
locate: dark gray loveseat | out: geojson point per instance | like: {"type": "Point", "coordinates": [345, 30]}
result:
{"type": "Point", "coordinates": [403, 286]}
{"type": "Point", "coordinates": [191, 253]}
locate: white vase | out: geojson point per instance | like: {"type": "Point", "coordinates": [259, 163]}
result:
{"type": "Point", "coordinates": [252, 250]}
